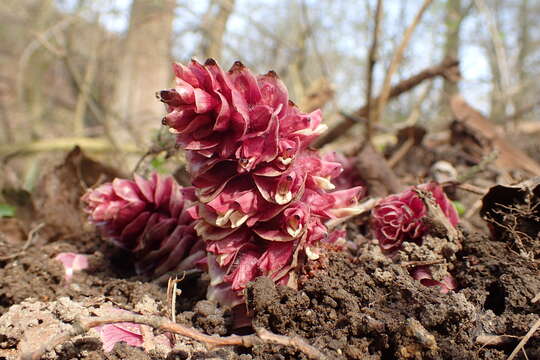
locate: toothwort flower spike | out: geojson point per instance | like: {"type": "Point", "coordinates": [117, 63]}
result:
{"type": "Point", "coordinates": [398, 218]}
{"type": "Point", "coordinates": [263, 196]}
{"type": "Point", "coordinates": [150, 219]}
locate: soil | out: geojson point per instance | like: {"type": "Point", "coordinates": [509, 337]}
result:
{"type": "Point", "coordinates": [358, 305]}
{"type": "Point", "coordinates": [365, 308]}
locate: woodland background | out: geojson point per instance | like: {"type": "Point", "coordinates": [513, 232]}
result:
{"type": "Point", "coordinates": [85, 72]}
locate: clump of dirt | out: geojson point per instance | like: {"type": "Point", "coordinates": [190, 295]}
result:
{"type": "Point", "coordinates": [368, 308]}
{"type": "Point", "coordinates": [503, 281]}
{"type": "Point", "coordinates": [36, 274]}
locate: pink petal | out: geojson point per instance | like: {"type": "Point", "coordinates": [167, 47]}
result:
{"type": "Point", "coordinates": [204, 102]}
{"type": "Point", "coordinates": [245, 271]}
{"type": "Point", "coordinates": [273, 92]}
{"type": "Point", "coordinates": [126, 190]}
{"type": "Point", "coordinates": [110, 334]}
{"type": "Point", "coordinates": [276, 257]}
{"type": "Point", "coordinates": [184, 73]}
{"type": "Point", "coordinates": [146, 187]}
{"type": "Point", "coordinates": [245, 82]}
{"type": "Point", "coordinates": [72, 263]}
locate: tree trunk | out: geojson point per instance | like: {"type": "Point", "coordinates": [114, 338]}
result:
{"type": "Point", "coordinates": [453, 18]}
{"type": "Point", "coordinates": [498, 101]}
{"type": "Point", "coordinates": [144, 69]}
{"type": "Point", "coordinates": [520, 98]}
{"type": "Point", "coordinates": [215, 26]}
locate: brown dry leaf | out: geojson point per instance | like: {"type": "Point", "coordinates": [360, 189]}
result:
{"type": "Point", "coordinates": [483, 138]}
{"type": "Point", "coordinates": [513, 215]}
{"type": "Point", "coordinates": [57, 196]}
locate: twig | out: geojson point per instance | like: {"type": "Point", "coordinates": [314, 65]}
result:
{"type": "Point", "coordinates": [309, 25]}
{"type": "Point", "coordinates": [283, 41]}
{"type": "Point", "coordinates": [396, 59]}
{"type": "Point", "coordinates": [29, 240]}
{"type": "Point", "coordinates": [500, 52]}
{"type": "Point", "coordinates": [472, 189]}
{"type": "Point", "coordinates": [466, 187]}
{"type": "Point", "coordinates": [526, 338]}
{"type": "Point", "coordinates": [33, 46]}
{"type": "Point", "coordinates": [416, 111]}
{"type": "Point", "coordinates": [90, 144]}
{"type": "Point", "coordinates": [493, 340]}
{"type": "Point", "coordinates": [448, 68]}
{"type": "Point", "coordinates": [401, 152]}
{"type": "Point", "coordinates": [536, 298]}
{"type": "Point", "coordinates": [481, 166]}
{"type": "Point", "coordinates": [262, 336]}
{"type": "Point", "coordinates": [187, 274]}
{"type": "Point", "coordinates": [372, 59]}
{"type": "Point", "coordinates": [473, 209]}
{"type": "Point", "coordinates": [172, 292]}
{"type": "Point", "coordinates": [84, 93]}
{"type": "Point", "coordinates": [423, 263]}
{"type": "Point", "coordinates": [520, 112]}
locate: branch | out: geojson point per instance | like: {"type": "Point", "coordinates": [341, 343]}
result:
{"type": "Point", "coordinates": [84, 93]}
{"type": "Point", "coordinates": [498, 45]}
{"type": "Point", "coordinates": [396, 59]}
{"type": "Point", "coordinates": [519, 113]}
{"type": "Point", "coordinates": [474, 124]}
{"type": "Point", "coordinates": [526, 338]}
{"type": "Point", "coordinates": [61, 144]}
{"type": "Point", "coordinates": [372, 59]}
{"type": "Point", "coordinates": [309, 29]}
{"type": "Point", "coordinates": [448, 68]}
{"type": "Point", "coordinates": [262, 336]}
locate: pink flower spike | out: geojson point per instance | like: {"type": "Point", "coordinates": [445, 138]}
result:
{"type": "Point", "coordinates": [150, 218]}
{"type": "Point", "coordinates": [72, 263]}
{"type": "Point", "coordinates": [264, 199]}
{"type": "Point", "coordinates": [398, 218]}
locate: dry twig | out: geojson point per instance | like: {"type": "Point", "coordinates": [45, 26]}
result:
{"type": "Point", "coordinates": [396, 59]}
{"type": "Point", "coordinates": [448, 69]}
{"type": "Point", "coordinates": [493, 340]}
{"type": "Point", "coordinates": [29, 240]}
{"type": "Point", "coordinates": [372, 59]}
{"type": "Point", "coordinates": [63, 144]}
{"type": "Point", "coordinates": [422, 263]}
{"type": "Point", "coordinates": [526, 338]}
{"type": "Point", "coordinates": [401, 152]}
{"type": "Point", "coordinates": [501, 57]}
{"type": "Point", "coordinates": [262, 336]}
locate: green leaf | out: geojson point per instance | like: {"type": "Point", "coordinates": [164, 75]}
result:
{"type": "Point", "coordinates": [158, 164]}
{"type": "Point", "coordinates": [460, 208]}
{"type": "Point", "coordinates": [6, 210]}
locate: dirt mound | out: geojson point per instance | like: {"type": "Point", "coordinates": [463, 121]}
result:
{"type": "Point", "coordinates": [366, 308]}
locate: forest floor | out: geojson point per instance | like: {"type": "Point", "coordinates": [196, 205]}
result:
{"type": "Point", "coordinates": [358, 305]}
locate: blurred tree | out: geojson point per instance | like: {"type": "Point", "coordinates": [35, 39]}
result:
{"type": "Point", "coordinates": [455, 13]}
{"type": "Point", "coordinates": [145, 68]}
{"type": "Point", "coordinates": [214, 27]}
{"type": "Point", "coordinates": [37, 61]}
{"type": "Point", "coordinates": [524, 37]}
